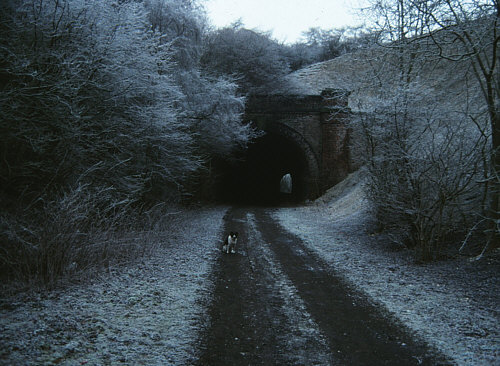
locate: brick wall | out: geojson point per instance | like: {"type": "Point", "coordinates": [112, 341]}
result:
{"type": "Point", "coordinates": [334, 138]}
{"type": "Point", "coordinates": [319, 128]}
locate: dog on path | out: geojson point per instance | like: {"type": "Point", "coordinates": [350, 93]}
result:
{"type": "Point", "coordinates": [230, 242]}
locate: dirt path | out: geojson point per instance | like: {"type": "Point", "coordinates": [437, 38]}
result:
{"type": "Point", "coordinates": [279, 300]}
{"type": "Point", "coordinates": [276, 303]}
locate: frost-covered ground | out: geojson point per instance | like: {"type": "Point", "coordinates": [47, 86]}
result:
{"type": "Point", "coordinates": [153, 311]}
{"type": "Point", "coordinates": [147, 313]}
{"type": "Point", "coordinates": [304, 343]}
{"type": "Point", "coordinates": [453, 305]}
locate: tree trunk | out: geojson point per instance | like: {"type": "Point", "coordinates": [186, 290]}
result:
{"type": "Point", "coordinates": [495, 199]}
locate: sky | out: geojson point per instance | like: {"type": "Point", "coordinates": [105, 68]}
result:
{"type": "Point", "coordinates": [286, 19]}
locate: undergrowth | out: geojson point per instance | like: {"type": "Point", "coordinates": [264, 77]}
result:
{"type": "Point", "coordinates": [80, 233]}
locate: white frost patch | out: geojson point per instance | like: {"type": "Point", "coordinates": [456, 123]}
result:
{"type": "Point", "coordinates": [150, 313]}
{"type": "Point", "coordinates": [304, 334]}
{"type": "Point", "coordinates": [425, 298]}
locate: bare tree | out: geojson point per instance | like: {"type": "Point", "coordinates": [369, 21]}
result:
{"type": "Point", "coordinates": [465, 33]}
{"type": "Point", "coordinates": [424, 131]}
{"type": "Point", "coordinates": [86, 93]}
{"type": "Point", "coordinates": [424, 165]}
{"type": "Point", "coordinates": [210, 106]}
{"type": "Point", "coordinates": [331, 43]}
{"type": "Point", "coordinates": [470, 31]}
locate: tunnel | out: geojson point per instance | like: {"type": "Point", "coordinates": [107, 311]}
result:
{"type": "Point", "coordinates": [254, 177]}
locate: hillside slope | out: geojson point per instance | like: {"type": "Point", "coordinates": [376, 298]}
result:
{"type": "Point", "coordinates": [451, 305]}
{"type": "Point", "coordinates": [441, 83]}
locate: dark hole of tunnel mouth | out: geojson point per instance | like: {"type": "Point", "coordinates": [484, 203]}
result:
{"type": "Point", "coordinates": [255, 177]}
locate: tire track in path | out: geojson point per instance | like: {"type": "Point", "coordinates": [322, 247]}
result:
{"type": "Point", "coordinates": [357, 331]}
{"type": "Point", "coordinates": [256, 317]}
{"type": "Point", "coordinates": [243, 327]}
{"type": "Point", "coordinates": [275, 303]}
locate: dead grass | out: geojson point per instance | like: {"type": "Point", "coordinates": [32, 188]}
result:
{"type": "Point", "coordinates": [148, 312]}
{"type": "Point", "coordinates": [81, 233]}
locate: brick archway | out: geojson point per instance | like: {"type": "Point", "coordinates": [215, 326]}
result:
{"type": "Point", "coordinates": [316, 124]}
{"type": "Point", "coordinates": [312, 178]}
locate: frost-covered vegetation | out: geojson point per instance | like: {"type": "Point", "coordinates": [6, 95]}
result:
{"type": "Point", "coordinates": [452, 304]}
{"type": "Point", "coordinates": [151, 312]}
{"type": "Point", "coordinates": [429, 123]}
{"type": "Point", "coordinates": [104, 110]}
{"type": "Point", "coordinates": [111, 112]}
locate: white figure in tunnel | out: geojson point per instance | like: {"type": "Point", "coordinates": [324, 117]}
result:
{"type": "Point", "coordinates": [286, 184]}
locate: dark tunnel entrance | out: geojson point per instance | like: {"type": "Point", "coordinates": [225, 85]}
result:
{"type": "Point", "coordinates": [255, 178]}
